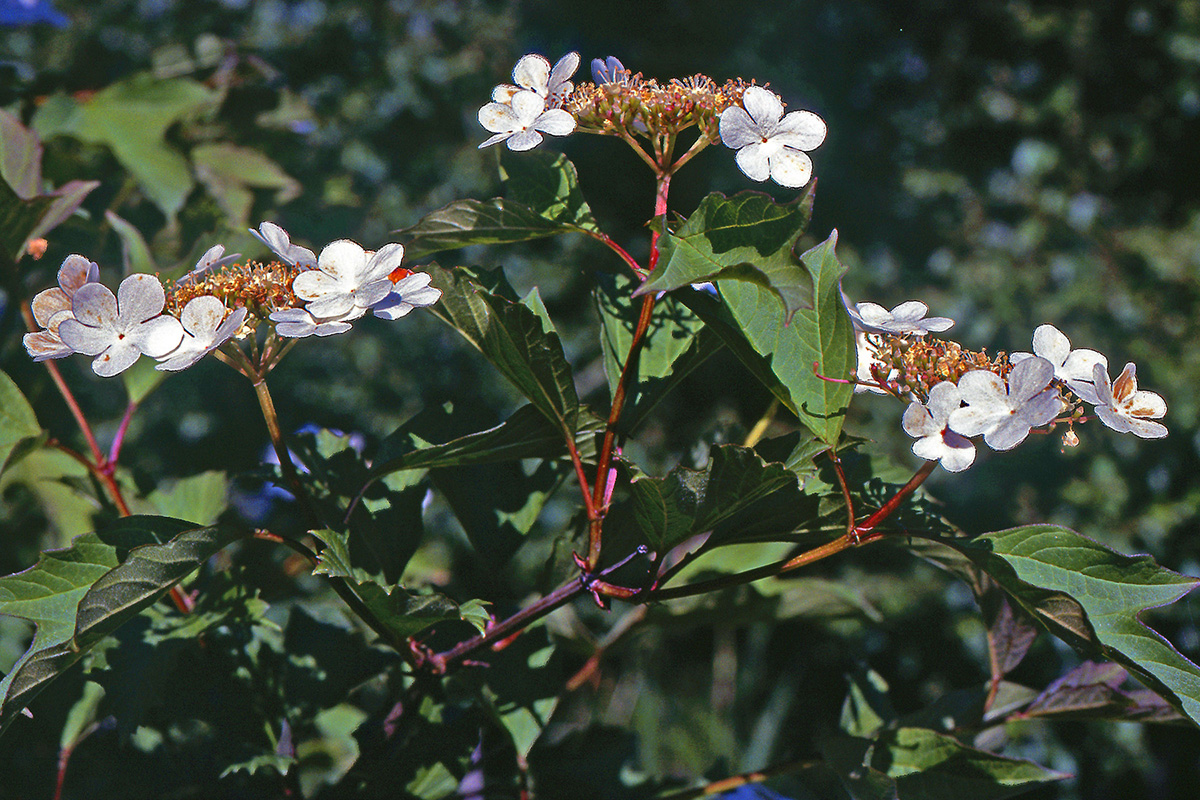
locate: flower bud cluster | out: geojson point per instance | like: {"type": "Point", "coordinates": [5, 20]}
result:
{"type": "Point", "coordinates": [956, 394]}
{"type": "Point", "coordinates": [299, 295]}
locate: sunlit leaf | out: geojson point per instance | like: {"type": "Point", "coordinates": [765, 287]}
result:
{"type": "Point", "coordinates": [18, 423]}
{"type": "Point", "coordinates": [817, 343]}
{"type": "Point", "coordinates": [78, 596]}
{"type": "Point", "coordinates": [230, 173]}
{"type": "Point", "coordinates": [542, 199]}
{"type": "Point", "coordinates": [403, 613]}
{"type": "Point", "coordinates": [1093, 598]}
{"type": "Point", "coordinates": [131, 117]}
{"type": "Point", "coordinates": [669, 335]}
{"type": "Point", "coordinates": [745, 238]}
{"type": "Point", "coordinates": [547, 183]}
{"type": "Point", "coordinates": [689, 501]}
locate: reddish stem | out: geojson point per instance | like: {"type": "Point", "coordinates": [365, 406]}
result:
{"type": "Point", "coordinates": [621, 252]}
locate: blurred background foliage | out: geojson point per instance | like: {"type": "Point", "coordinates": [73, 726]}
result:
{"type": "Point", "coordinates": [1009, 163]}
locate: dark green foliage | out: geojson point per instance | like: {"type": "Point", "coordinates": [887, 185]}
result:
{"type": "Point", "coordinates": [1008, 164]}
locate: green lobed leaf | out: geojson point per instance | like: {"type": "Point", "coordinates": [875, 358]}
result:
{"type": "Point", "coordinates": [543, 199]}
{"type": "Point", "coordinates": [131, 117]}
{"type": "Point", "coordinates": [673, 327]}
{"type": "Point", "coordinates": [404, 613]}
{"type": "Point", "coordinates": [78, 596]}
{"type": "Point", "coordinates": [381, 525]}
{"type": "Point", "coordinates": [514, 339]}
{"type": "Point", "coordinates": [18, 423]}
{"type": "Point", "coordinates": [201, 497]}
{"type": "Point", "coordinates": [470, 222]}
{"type": "Point", "coordinates": [933, 766]}
{"type": "Point", "coordinates": [498, 504]}
{"type": "Point", "coordinates": [20, 157]}
{"type": "Point", "coordinates": [62, 487]}
{"type": "Point", "coordinates": [1093, 598]}
{"type": "Point", "coordinates": [230, 173]}
{"type": "Point", "coordinates": [686, 501]}
{"type": "Point", "coordinates": [820, 336]}
{"type": "Point", "coordinates": [745, 238]}
{"type": "Point", "coordinates": [547, 183]}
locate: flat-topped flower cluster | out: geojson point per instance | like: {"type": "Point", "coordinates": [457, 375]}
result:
{"type": "Point", "coordinates": [745, 117]}
{"type": "Point", "coordinates": [956, 394]}
{"type": "Point", "coordinates": [301, 294]}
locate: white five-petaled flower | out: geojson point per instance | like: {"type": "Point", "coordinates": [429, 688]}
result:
{"type": "Point", "coordinates": [1005, 414]}
{"type": "Point", "coordinates": [52, 307]}
{"type": "Point", "coordinates": [411, 291]}
{"type": "Point", "coordinates": [906, 318]}
{"type": "Point", "coordinates": [117, 330]}
{"type": "Point", "coordinates": [522, 121]}
{"type": "Point", "coordinates": [768, 143]}
{"type": "Point", "coordinates": [1072, 367]}
{"type": "Point", "coordinates": [347, 281]}
{"type": "Point", "coordinates": [1125, 409]}
{"type": "Point", "coordinates": [207, 325]}
{"type": "Point", "coordinates": [534, 74]}
{"type": "Point", "coordinates": [929, 424]}
{"type": "Point", "coordinates": [280, 243]}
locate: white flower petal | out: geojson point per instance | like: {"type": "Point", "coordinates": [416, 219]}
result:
{"type": "Point", "coordinates": [533, 73]}
{"type": "Point", "coordinates": [528, 106]}
{"type": "Point", "coordinates": [524, 140]}
{"type": "Point", "coordinates": [115, 360]}
{"type": "Point", "coordinates": [563, 70]}
{"type": "Point", "coordinates": [1028, 378]}
{"type": "Point", "coordinates": [49, 302]}
{"type": "Point", "coordinates": [764, 107]}
{"type": "Point", "coordinates": [802, 130]}
{"type": "Point", "coordinates": [737, 129]}
{"type": "Point", "coordinates": [790, 168]}
{"type": "Point", "coordinates": [1051, 344]}
{"type": "Point", "coordinates": [95, 305]}
{"type": "Point", "coordinates": [498, 118]}
{"type": "Point", "coordinates": [343, 259]}
{"type": "Point", "coordinates": [555, 122]}
{"type": "Point", "coordinates": [280, 243]}
{"type": "Point", "coordinates": [43, 345]}
{"type": "Point", "coordinates": [76, 270]}
{"type": "Point", "coordinates": [139, 298]}
{"type": "Point", "coordinates": [156, 337]}
{"type": "Point", "coordinates": [499, 137]}
{"type": "Point", "coordinates": [385, 261]}
{"type": "Point", "coordinates": [752, 160]}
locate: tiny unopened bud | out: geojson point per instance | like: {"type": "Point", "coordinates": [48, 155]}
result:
{"type": "Point", "coordinates": [37, 248]}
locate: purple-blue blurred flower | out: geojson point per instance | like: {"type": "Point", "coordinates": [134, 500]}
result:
{"type": "Point", "coordinates": [16, 13]}
{"type": "Point", "coordinates": [607, 70]}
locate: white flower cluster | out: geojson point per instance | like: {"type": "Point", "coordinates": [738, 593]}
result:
{"type": "Point", "coordinates": [1003, 410]}
{"type": "Point", "coordinates": [83, 316]}
{"type": "Point", "coordinates": [520, 114]}
{"type": "Point", "coordinates": [769, 144]}
{"type": "Point", "coordinates": [343, 283]}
